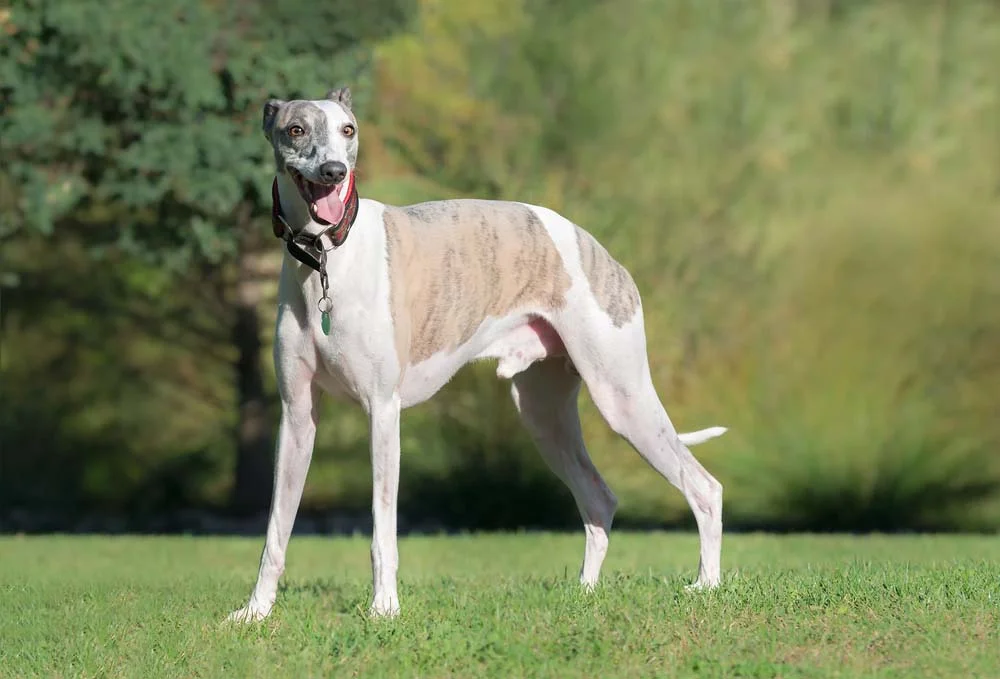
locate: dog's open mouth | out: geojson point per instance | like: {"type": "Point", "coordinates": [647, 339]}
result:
{"type": "Point", "coordinates": [325, 201]}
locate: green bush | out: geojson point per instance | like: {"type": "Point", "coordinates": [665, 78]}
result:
{"type": "Point", "coordinates": [807, 196]}
{"type": "Point", "coordinates": [805, 191]}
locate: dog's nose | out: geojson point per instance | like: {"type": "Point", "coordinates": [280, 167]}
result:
{"type": "Point", "coordinates": [333, 172]}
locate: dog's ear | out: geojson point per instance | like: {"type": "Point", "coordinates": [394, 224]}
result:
{"type": "Point", "coordinates": [341, 95]}
{"type": "Point", "coordinates": [271, 108]}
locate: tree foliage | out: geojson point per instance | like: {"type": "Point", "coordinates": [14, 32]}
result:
{"type": "Point", "coordinates": [141, 124]}
{"type": "Point", "coordinates": [805, 193]}
{"type": "Point", "coordinates": [130, 135]}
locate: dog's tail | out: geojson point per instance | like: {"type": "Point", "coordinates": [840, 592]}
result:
{"type": "Point", "coordinates": [693, 438]}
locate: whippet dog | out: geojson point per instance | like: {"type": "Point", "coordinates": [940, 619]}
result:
{"type": "Point", "coordinates": [383, 305]}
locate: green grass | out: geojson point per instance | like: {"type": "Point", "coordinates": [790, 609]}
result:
{"type": "Point", "coordinates": [505, 605]}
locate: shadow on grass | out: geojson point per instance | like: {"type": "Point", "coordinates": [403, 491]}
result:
{"type": "Point", "coordinates": [341, 597]}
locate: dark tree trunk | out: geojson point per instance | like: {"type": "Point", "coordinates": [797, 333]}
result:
{"type": "Point", "coordinates": [255, 429]}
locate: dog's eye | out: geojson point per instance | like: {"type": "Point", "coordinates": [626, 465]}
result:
{"type": "Point", "coordinates": [348, 130]}
{"type": "Point", "coordinates": [296, 131]}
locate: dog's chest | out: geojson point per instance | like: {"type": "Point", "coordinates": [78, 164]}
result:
{"type": "Point", "coordinates": [358, 354]}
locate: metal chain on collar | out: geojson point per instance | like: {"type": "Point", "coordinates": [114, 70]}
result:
{"type": "Point", "coordinates": [325, 304]}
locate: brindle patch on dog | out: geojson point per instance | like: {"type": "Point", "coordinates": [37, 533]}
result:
{"type": "Point", "coordinates": [610, 282]}
{"type": "Point", "coordinates": [312, 120]}
{"type": "Point", "coordinates": [454, 263]}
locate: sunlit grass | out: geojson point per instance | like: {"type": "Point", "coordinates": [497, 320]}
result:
{"type": "Point", "coordinates": [504, 605]}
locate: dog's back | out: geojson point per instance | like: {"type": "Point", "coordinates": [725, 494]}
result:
{"type": "Point", "coordinates": [453, 263]}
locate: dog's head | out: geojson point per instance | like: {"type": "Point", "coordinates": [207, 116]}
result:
{"type": "Point", "coordinates": [316, 144]}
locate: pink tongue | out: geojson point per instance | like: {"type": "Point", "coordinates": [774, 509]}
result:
{"type": "Point", "coordinates": [329, 208]}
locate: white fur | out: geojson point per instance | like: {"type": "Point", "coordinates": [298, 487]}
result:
{"type": "Point", "coordinates": [358, 361]}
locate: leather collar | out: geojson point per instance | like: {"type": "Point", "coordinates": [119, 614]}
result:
{"type": "Point", "coordinates": [308, 248]}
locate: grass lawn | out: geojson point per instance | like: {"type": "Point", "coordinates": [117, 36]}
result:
{"type": "Point", "coordinates": [505, 605]}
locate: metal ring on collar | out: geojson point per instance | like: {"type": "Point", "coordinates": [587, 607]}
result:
{"type": "Point", "coordinates": [325, 304]}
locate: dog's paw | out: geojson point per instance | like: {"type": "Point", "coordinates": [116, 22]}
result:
{"type": "Point", "coordinates": [249, 613]}
{"type": "Point", "coordinates": [384, 607]}
{"type": "Point", "coordinates": [701, 586]}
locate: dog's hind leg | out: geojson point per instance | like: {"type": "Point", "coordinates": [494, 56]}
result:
{"type": "Point", "coordinates": [546, 398]}
{"type": "Point", "coordinates": [635, 412]}
{"type": "Point", "coordinates": [612, 362]}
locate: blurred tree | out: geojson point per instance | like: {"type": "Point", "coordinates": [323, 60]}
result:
{"type": "Point", "coordinates": [784, 181]}
{"type": "Point", "coordinates": [135, 127]}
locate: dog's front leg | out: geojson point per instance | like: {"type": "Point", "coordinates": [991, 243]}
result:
{"type": "Point", "coordinates": [296, 435]}
{"type": "Point", "coordinates": [384, 429]}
